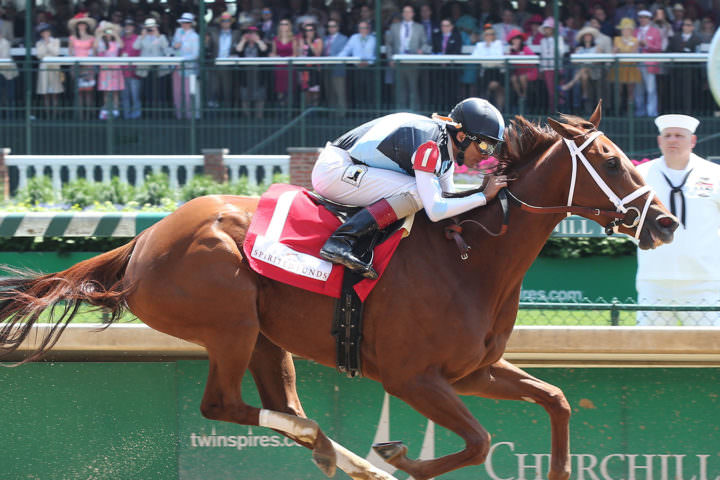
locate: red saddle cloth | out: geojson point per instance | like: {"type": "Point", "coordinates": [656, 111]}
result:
{"type": "Point", "coordinates": [285, 237]}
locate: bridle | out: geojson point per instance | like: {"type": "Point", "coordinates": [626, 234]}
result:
{"type": "Point", "coordinates": [621, 213]}
{"type": "Point", "coordinates": [618, 216]}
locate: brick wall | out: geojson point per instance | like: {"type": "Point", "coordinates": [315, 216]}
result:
{"type": "Point", "coordinates": [214, 163]}
{"type": "Point", "coordinates": [301, 165]}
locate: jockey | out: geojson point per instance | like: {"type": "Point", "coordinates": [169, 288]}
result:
{"type": "Point", "coordinates": [400, 163]}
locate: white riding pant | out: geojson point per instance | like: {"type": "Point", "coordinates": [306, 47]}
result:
{"type": "Point", "coordinates": [337, 178]}
{"type": "Point", "coordinates": [678, 292]}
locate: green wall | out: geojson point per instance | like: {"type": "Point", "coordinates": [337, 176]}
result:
{"type": "Point", "coordinates": [142, 421]}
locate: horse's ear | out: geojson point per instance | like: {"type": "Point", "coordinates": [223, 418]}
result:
{"type": "Point", "coordinates": [565, 130]}
{"type": "Point", "coordinates": [597, 114]}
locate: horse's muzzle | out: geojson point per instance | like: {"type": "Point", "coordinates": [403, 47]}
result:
{"type": "Point", "coordinates": [658, 230]}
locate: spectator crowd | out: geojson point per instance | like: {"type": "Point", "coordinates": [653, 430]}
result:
{"type": "Point", "coordinates": [309, 28]}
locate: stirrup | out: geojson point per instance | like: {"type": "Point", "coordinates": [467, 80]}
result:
{"type": "Point", "coordinates": [366, 270]}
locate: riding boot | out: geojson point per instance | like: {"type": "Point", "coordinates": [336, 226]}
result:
{"type": "Point", "coordinates": [340, 247]}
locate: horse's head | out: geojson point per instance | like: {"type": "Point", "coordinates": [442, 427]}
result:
{"type": "Point", "coordinates": [604, 178]}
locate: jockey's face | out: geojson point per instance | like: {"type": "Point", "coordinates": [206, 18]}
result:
{"type": "Point", "coordinates": [473, 154]}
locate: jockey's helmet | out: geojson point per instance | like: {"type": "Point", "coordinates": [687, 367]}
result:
{"type": "Point", "coordinates": [481, 122]}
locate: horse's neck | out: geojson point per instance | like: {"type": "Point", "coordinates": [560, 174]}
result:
{"type": "Point", "coordinates": [507, 258]}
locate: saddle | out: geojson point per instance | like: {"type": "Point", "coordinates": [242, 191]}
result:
{"type": "Point", "coordinates": [283, 243]}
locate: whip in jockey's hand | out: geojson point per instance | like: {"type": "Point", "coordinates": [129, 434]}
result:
{"type": "Point", "coordinates": [398, 164]}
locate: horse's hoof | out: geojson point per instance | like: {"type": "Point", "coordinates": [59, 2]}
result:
{"type": "Point", "coordinates": [390, 450]}
{"type": "Point", "coordinates": [323, 454]}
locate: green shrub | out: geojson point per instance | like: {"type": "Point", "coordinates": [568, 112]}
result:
{"type": "Point", "coordinates": [155, 191]}
{"type": "Point", "coordinates": [38, 190]}
{"type": "Point", "coordinates": [82, 193]}
{"type": "Point", "coordinates": [116, 192]}
{"type": "Point", "coordinates": [201, 185]}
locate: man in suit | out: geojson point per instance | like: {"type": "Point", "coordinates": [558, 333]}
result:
{"type": "Point", "coordinates": [687, 87]}
{"type": "Point", "coordinates": [221, 43]}
{"type": "Point", "coordinates": [507, 25]}
{"type": "Point", "coordinates": [431, 27]}
{"type": "Point", "coordinates": [406, 37]}
{"type": "Point", "coordinates": [335, 75]}
{"type": "Point", "coordinates": [267, 26]}
{"type": "Point", "coordinates": [447, 41]}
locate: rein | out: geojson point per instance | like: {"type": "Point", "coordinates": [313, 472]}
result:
{"type": "Point", "coordinates": [619, 215]}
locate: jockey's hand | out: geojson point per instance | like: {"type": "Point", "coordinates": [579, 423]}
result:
{"type": "Point", "coordinates": [492, 185]}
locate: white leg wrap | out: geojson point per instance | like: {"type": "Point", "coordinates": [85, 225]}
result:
{"type": "Point", "coordinates": [301, 428]}
{"type": "Point", "coordinates": [356, 467]}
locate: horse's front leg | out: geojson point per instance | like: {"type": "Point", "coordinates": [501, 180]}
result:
{"type": "Point", "coordinates": [504, 381]}
{"type": "Point", "coordinates": [431, 395]}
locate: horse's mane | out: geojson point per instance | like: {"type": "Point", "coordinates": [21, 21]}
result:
{"type": "Point", "coordinates": [526, 140]}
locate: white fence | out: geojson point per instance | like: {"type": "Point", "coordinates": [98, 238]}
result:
{"type": "Point", "coordinates": [257, 168]}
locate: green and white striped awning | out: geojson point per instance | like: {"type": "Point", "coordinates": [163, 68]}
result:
{"type": "Point", "coordinates": [76, 224]}
{"type": "Point", "coordinates": [128, 224]}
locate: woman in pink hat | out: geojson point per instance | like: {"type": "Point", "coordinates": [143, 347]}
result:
{"type": "Point", "coordinates": [82, 44]}
{"type": "Point", "coordinates": [111, 80]}
{"type": "Point", "coordinates": [521, 74]}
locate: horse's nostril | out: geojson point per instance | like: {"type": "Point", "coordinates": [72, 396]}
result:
{"type": "Point", "coordinates": [666, 222]}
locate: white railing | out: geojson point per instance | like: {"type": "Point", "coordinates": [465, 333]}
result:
{"type": "Point", "coordinates": [256, 167]}
{"type": "Point", "coordinates": [534, 59]}
{"type": "Point", "coordinates": [287, 60]}
{"type": "Point", "coordinates": [404, 58]}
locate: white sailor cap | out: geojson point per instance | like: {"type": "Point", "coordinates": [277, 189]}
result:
{"type": "Point", "coordinates": [677, 121]}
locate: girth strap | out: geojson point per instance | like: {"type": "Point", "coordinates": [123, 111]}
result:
{"type": "Point", "coordinates": [347, 327]}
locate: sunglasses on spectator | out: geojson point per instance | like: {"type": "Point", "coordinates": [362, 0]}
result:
{"type": "Point", "coordinates": [285, 23]}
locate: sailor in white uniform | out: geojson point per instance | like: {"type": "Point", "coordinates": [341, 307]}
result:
{"type": "Point", "coordinates": [686, 271]}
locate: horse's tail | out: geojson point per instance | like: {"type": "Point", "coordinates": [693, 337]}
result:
{"type": "Point", "coordinates": [23, 298]}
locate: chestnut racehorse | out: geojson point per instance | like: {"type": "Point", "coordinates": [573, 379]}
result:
{"type": "Point", "coordinates": [435, 327]}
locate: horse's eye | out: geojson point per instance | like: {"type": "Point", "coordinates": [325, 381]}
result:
{"type": "Point", "coordinates": [612, 163]}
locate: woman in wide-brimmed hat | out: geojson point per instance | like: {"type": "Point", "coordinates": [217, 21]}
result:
{"type": "Point", "coordinates": [82, 44]}
{"type": "Point", "coordinates": [110, 80]}
{"type": "Point", "coordinates": [585, 73]}
{"type": "Point", "coordinates": [49, 83]}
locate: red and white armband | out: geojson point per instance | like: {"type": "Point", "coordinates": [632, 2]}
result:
{"type": "Point", "coordinates": [427, 158]}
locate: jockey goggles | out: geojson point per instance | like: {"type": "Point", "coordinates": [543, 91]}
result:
{"type": "Point", "coordinates": [483, 145]}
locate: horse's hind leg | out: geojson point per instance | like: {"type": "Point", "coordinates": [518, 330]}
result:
{"type": "Point", "coordinates": [504, 381]}
{"type": "Point", "coordinates": [274, 374]}
{"type": "Point", "coordinates": [229, 356]}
